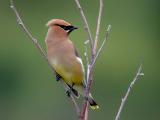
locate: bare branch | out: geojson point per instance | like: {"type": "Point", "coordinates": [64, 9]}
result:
{"type": "Point", "coordinates": [87, 58]}
{"type": "Point", "coordinates": [40, 49]}
{"type": "Point", "coordinates": [124, 99]}
{"type": "Point", "coordinates": [72, 98]}
{"type": "Point", "coordinates": [86, 26]}
{"type": "Point", "coordinates": [98, 26]}
{"type": "Point", "coordinates": [84, 111]}
{"type": "Point", "coordinates": [103, 43]}
{"type": "Point", "coordinates": [86, 52]}
{"type": "Point", "coordinates": [20, 22]}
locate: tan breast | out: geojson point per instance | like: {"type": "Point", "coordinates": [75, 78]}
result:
{"type": "Point", "coordinates": [65, 62]}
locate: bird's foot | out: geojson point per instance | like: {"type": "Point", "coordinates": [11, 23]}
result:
{"type": "Point", "coordinates": [75, 92]}
{"type": "Point", "coordinates": [68, 92]}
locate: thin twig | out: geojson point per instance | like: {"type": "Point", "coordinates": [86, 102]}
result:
{"type": "Point", "coordinates": [103, 43]}
{"type": "Point", "coordinates": [90, 70]}
{"type": "Point", "coordinates": [72, 99]}
{"type": "Point", "coordinates": [90, 67]}
{"type": "Point", "coordinates": [86, 26]}
{"type": "Point", "coordinates": [98, 26]}
{"type": "Point", "coordinates": [87, 59]}
{"type": "Point", "coordinates": [124, 99]}
{"type": "Point", "coordinates": [84, 111]}
{"type": "Point", "coordinates": [40, 49]}
{"type": "Point", "coordinates": [86, 52]}
{"type": "Point", "coordinates": [20, 22]}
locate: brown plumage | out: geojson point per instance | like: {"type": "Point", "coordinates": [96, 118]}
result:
{"type": "Point", "coordinates": [64, 57]}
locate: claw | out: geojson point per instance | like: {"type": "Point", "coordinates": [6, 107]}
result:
{"type": "Point", "coordinates": [68, 92]}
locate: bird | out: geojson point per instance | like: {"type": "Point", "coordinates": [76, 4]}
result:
{"type": "Point", "coordinates": [64, 58]}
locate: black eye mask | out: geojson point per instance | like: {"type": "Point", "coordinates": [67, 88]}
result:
{"type": "Point", "coordinates": [68, 28]}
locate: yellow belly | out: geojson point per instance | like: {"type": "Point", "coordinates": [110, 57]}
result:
{"type": "Point", "coordinates": [71, 73]}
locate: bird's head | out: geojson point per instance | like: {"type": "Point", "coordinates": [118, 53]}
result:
{"type": "Point", "coordinates": [62, 26]}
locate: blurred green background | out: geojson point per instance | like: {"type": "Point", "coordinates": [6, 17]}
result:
{"type": "Point", "coordinates": [28, 90]}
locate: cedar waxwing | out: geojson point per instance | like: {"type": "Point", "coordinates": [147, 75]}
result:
{"type": "Point", "coordinates": [64, 58]}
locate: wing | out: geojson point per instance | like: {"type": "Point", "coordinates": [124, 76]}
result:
{"type": "Point", "coordinates": [76, 52]}
{"type": "Point", "coordinates": [80, 60]}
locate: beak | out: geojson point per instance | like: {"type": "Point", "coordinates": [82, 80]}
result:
{"type": "Point", "coordinates": [73, 28]}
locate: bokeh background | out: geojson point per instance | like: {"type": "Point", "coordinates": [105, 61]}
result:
{"type": "Point", "coordinates": [28, 90]}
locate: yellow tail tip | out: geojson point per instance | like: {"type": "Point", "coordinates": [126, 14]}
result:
{"type": "Point", "coordinates": [94, 107]}
{"type": "Point", "coordinates": [93, 104]}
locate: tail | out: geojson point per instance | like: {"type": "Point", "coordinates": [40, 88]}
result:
{"type": "Point", "coordinates": [80, 90]}
{"type": "Point", "coordinates": [92, 102]}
